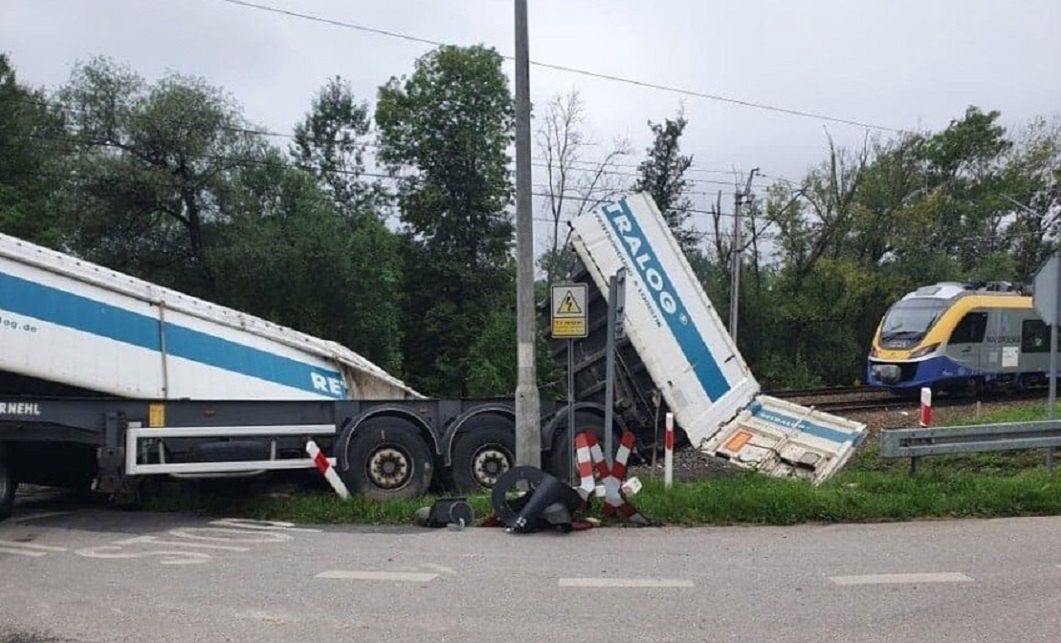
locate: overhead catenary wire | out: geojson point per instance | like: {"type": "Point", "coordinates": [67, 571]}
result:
{"type": "Point", "coordinates": [578, 71]}
{"type": "Point", "coordinates": [367, 147]}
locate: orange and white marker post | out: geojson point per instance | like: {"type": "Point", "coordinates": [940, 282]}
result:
{"type": "Point", "coordinates": [668, 452]}
{"type": "Point", "coordinates": [926, 407]}
{"type": "Point", "coordinates": [327, 470]}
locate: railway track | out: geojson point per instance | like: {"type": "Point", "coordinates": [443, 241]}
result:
{"type": "Point", "coordinates": [854, 399]}
{"type": "Point", "coordinates": [827, 391]}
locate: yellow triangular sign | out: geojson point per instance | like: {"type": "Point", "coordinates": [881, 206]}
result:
{"type": "Point", "coordinates": [568, 305]}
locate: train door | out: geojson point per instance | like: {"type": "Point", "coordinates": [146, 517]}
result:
{"type": "Point", "coordinates": [966, 344]}
{"type": "Point", "coordinates": [1034, 350]}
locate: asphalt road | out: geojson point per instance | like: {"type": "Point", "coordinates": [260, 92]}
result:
{"type": "Point", "coordinates": [91, 574]}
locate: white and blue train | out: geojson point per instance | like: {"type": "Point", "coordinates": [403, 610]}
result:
{"type": "Point", "coordinates": [963, 337]}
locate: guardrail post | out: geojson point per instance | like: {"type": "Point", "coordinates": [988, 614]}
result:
{"type": "Point", "coordinates": [913, 464]}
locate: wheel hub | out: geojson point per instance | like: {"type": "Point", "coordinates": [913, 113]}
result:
{"type": "Point", "coordinates": [489, 464]}
{"type": "Point", "coordinates": [389, 468]}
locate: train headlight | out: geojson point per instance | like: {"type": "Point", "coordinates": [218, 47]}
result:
{"type": "Point", "coordinates": [924, 350]}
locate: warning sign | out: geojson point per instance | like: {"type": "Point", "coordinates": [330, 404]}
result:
{"type": "Point", "coordinates": [568, 305]}
{"type": "Point", "coordinates": [569, 311]}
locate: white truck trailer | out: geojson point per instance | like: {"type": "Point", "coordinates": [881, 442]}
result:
{"type": "Point", "coordinates": [106, 379]}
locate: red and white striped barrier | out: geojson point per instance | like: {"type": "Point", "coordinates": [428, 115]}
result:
{"type": "Point", "coordinates": [612, 487]}
{"type": "Point", "coordinates": [926, 407]}
{"type": "Point", "coordinates": [668, 452]}
{"type": "Point", "coordinates": [324, 465]}
{"type": "Point", "coordinates": [584, 457]}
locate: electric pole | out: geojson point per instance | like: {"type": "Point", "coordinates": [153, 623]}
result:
{"type": "Point", "coordinates": [528, 430]}
{"type": "Point", "coordinates": [735, 257]}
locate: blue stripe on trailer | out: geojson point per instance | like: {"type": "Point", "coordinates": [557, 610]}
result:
{"type": "Point", "coordinates": [817, 430]}
{"type": "Point", "coordinates": [658, 284]}
{"type": "Point", "coordinates": [112, 322]}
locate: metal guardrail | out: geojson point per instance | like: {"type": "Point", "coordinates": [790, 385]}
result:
{"type": "Point", "coordinates": [917, 443]}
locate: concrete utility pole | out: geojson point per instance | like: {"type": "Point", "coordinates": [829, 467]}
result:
{"type": "Point", "coordinates": [735, 256]}
{"type": "Point", "coordinates": [528, 431]}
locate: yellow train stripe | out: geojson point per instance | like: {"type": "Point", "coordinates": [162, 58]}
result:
{"type": "Point", "coordinates": [945, 325]}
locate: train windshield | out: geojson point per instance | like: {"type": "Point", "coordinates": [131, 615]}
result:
{"type": "Point", "coordinates": [911, 318]}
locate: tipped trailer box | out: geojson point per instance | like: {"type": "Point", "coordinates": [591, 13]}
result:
{"type": "Point", "coordinates": [678, 349]}
{"type": "Point", "coordinates": [71, 322]}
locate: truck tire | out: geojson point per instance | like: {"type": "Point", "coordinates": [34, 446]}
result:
{"type": "Point", "coordinates": [558, 462]}
{"type": "Point", "coordinates": [481, 456]}
{"type": "Point", "coordinates": [386, 459]}
{"type": "Point", "coordinates": [7, 490]}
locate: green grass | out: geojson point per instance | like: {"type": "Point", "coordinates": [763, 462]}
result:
{"type": "Point", "coordinates": [852, 496]}
{"type": "Point", "coordinates": [304, 506]}
{"type": "Point", "coordinates": [990, 463]}
{"type": "Point", "coordinates": [869, 489]}
{"type": "Point", "coordinates": [1023, 413]}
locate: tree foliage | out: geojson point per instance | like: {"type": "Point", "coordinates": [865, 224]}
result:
{"type": "Point", "coordinates": [331, 142]}
{"type": "Point", "coordinates": [869, 225]}
{"type": "Point", "coordinates": [662, 176]}
{"type": "Point", "coordinates": [30, 139]}
{"type": "Point", "coordinates": [150, 171]}
{"type": "Point", "coordinates": [445, 131]}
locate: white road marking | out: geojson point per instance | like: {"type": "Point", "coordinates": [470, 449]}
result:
{"type": "Point", "coordinates": [34, 546]}
{"type": "Point", "coordinates": [625, 582]}
{"type": "Point", "coordinates": [267, 525]}
{"type": "Point", "coordinates": [894, 579]}
{"type": "Point", "coordinates": [155, 540]}
{"type": "Point", "coordinates": [22, 552]}
{"type": "Point", "coordinates": [441, 568]}
{"type": "Point", "coordinates": [40, 516]}
{"type": "Point", "coordinates": [400, 577]}
{"type": "Point", "coordinates": [239, 536]}
{"type": "Point", "coordinates": [169, 557]}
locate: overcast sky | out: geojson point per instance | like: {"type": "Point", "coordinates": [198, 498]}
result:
{"type": "Point", "coordinates": [903, 64]}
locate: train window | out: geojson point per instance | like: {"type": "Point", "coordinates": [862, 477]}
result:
{"type": "Point", "coordinates": [970, 330]}
{"type": "Point", "coordinates": [911, 318]}
{"type": "Point", "coordinates": [1034, 337]}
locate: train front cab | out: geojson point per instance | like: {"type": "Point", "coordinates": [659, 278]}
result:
{"type": "Point", "coordinates": [980, 340]}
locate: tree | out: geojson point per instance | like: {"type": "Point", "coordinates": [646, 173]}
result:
{"type": "Point", "coordinates": [331, 143]}
{"type": "Point", "coordinates": [31, 139]}
{"type": "Point", "coordinates": [662, 175]}
{"type": "Point", "coordinates": [1033, 189]}
{"type": "Point", "coordinates": [574, 186]}
{"type": "Point", "coordinates": [449, 125]}
{"type": "Point", "coordinates": [151, 166]}
{"type": "Point", "coordinates": [286, 254]}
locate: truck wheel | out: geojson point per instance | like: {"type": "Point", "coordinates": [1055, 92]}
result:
{"type": "Point", "coordinates": [386, 459]}
{"type": "Point", "coordinates": [559, 463]}
{"type": "Point", "coordinates": [481, 456]}
{"type": "Point", "coordinates": [7, 490]}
